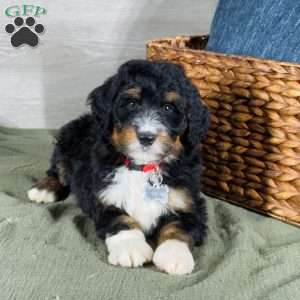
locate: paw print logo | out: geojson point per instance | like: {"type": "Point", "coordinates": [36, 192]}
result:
{"type": "Point", "coordinates": [22, 34]}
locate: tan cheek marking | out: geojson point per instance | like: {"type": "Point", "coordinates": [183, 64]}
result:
{"type": "Point", "coordinates": [172, 97]}
{"type": "Point", "coordinates": [176, 145]}
{"type": "Point", "coordinates": [124, 136]}
{"type": "Point", "coordinates": [180, 200]}
{"type": "Point", "coordinates": [172, 231]}
{"type": "Point", "coordinates": [164, 138]}
{"type": "Point", "coordinates": [115, 136]}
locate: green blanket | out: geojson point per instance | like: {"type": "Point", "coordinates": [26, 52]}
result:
{"type": "Point", "coordinates": [52, 252]}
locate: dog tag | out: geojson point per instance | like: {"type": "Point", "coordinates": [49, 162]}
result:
{"type": "Point", "coordinates": [156, 193]}
{"type": "Point", "coordinates": [155, 190]}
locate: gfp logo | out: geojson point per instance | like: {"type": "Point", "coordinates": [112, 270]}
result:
{"type": "Point", "coordinates": [24, 30]}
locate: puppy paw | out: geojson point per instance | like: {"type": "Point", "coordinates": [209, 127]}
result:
{"type": "Point", "coordinates": [48, 190]}
{"type": "Point", "coordinates": [41, 196]}
{"type": "Point", "coordinates": [174, 257]}
{"type": "Point", "coordinates": [128, 248]}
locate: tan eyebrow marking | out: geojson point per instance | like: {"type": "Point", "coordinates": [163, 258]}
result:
{"type": "Point", "coordinates": [134, 92]}
{"type": "Point", "coordinates": [172, 96]}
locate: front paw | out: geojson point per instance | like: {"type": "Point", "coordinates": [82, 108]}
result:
{"type": "Point", "coordinates": [174, 257]}
{"type": "Point", "coordinates": [128, 248]}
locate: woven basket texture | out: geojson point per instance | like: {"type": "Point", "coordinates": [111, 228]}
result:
{"type": "Point", "coordinates": [252, 151]}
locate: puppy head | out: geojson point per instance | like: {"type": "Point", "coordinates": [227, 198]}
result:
{"type": "Point", "coordinates": [150, 110]}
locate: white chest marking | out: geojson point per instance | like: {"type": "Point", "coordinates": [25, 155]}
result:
{"type": "Point", "coordinates": [126, 192]}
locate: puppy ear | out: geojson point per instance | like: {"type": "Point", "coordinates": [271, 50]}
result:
{"type": "Point", "coordinates": [101, 101]}
{"type": "Point", "coordinates": [198, 117]}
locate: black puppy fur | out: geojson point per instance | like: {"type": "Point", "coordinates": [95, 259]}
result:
{"type": "Point", "coordinates": [85, 155]}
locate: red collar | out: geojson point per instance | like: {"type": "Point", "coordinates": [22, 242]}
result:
{"type": "Point", "coordinates": [143, 168]}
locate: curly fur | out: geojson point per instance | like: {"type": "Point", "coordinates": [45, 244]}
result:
{"type": "Point", "coordinates": [85, 159]}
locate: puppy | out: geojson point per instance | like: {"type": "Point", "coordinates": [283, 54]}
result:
{"type": "Point", "coordinates": [134, 164]}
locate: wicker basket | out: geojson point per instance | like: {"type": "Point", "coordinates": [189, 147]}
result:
{"type": "Point", "coordinates": [252, 152]}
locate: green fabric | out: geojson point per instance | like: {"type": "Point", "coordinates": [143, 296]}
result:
{"type": "Point", "coordinates": [51, 251]}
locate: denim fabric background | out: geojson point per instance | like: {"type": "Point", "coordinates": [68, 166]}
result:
{"type": "Point", "coordinates": [261, 28]}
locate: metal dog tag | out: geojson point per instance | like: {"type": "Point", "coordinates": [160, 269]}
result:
{"type": "Point", "coordinates": [156, 193]}
{"type": "Point", "coordinates": [155, 190]}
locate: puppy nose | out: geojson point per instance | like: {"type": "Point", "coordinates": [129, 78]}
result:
{"type": "Point", "coordinates": [146, 138]}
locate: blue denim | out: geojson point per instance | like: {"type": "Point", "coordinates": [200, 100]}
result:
{"type": "Point", "coordinates": [261, 28]}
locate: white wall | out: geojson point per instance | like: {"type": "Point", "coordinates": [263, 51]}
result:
{"type": "Point", "coordinates": [84, 42]}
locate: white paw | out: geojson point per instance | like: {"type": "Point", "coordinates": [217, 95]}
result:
{"type": "Point", "coordinates": [174, 257]}
{"type": "Point", "coordinates": [128, 248]}
{"type": "Point", "coordinates": [41, 196]}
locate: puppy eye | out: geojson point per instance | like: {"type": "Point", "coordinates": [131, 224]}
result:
{"type": "Point", "coordinates": [168, 107]}
{"type": "Point", "coordinates": [131, 104]}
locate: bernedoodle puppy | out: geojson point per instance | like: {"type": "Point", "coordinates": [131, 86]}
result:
{"type": "Point", "coordinates": [134, 164]}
